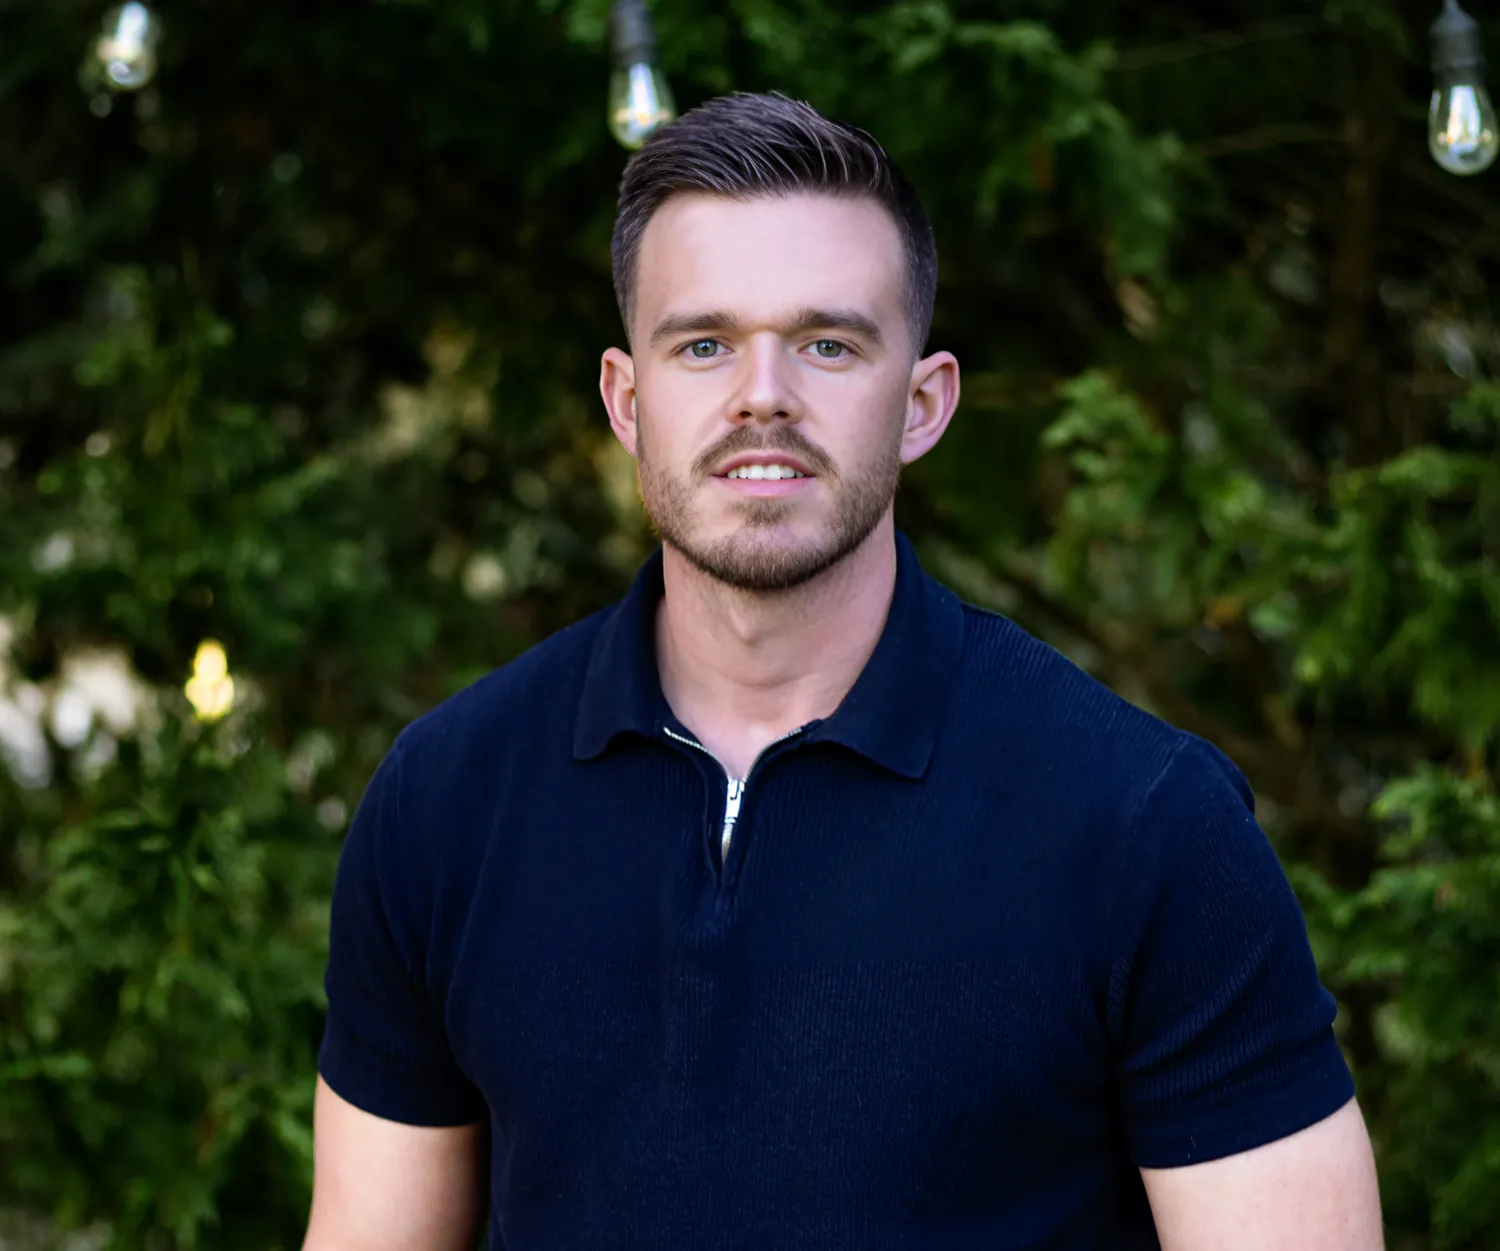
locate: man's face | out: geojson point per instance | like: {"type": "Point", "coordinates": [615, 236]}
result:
{"type": "Point", "coordinates": [772, 371]}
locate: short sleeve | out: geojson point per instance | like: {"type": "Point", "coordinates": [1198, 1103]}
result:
{"type": "Point", "coordinates": [1223, 1034]}
{"type": "Point", "coordinates": [385, 1048]}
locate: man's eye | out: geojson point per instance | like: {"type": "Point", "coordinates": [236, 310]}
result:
{"type": "Point", "coordinates": [829, 349]}
{"type": "Point", "coordinates": [704, 349]}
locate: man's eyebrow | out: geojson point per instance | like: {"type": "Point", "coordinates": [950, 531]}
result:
{"type": "Point", "coordinates": [692, 323]}
{"type": "Point", "coordinates": [804, 321]}
{"type": "Point", "coordinates": [809, 319]}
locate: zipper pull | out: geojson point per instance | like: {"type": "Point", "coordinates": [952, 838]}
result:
{"type": "Point", "coordinates": [732, 797]}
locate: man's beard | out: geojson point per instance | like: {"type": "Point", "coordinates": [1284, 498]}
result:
{"type": "Point", "coordinates": [751, 561]}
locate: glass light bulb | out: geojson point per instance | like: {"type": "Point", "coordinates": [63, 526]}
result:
{"type": "Point", "coordinates": [639, 102]}
{"type": "Point", "coordinates": [1462, 132]}
{"type": "Point", "coordinates": [126, 50]}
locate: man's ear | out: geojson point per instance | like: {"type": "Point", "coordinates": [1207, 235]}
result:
{"type": "Point", "coordinates": [934, 396]}
{"type": "Point", "coordinates": [617, 387]}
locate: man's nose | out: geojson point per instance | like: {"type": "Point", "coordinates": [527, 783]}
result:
{"type": "Point", "coordinates": [767, 386]}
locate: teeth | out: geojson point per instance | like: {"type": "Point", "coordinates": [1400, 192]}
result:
{"type": "Point", "coordinates": [770, 473]}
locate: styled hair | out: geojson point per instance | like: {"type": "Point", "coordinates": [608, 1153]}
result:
{"type": "Point", "coordinates": [744, 146]}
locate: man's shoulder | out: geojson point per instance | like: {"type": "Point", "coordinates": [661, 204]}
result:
{"type": "Point", "coordinates": [531, 698]}
{"type": "Point", "coordinates": [1035, 686]}
{"type": "Point", "coordinates": [1021, 690]}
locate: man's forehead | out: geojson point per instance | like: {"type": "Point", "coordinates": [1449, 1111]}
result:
{"type": "Point", "coordinates": [770, 253]}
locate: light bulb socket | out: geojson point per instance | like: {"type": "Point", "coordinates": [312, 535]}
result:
{"type": "Point", "coordinates": [631, 34]}
{"type": "Point", "coordinates": [1457, 50]}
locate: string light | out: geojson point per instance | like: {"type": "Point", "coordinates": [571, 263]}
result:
{"type": "Point", "coordinates": [210, 690]}
{"type": "Point", "coordinates": [639, 98]}
{"type": "Point", "coordinates": [1462, 133]}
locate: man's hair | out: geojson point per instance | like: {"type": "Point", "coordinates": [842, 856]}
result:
{"type": "Point", "coordinates": [745, 146]}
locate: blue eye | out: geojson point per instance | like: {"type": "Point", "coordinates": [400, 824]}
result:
{"type": "Point", "coordinates": [704, 349]}
{"type": "Point", "coordinates": [829, 349]}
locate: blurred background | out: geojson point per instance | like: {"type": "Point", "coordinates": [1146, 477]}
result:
{"type": "Point", "coordinates": [299, 434]}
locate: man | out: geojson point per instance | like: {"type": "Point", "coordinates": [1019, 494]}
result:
{"type": "Point", "coordinates": [791, 903]}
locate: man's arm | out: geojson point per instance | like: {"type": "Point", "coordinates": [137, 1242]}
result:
{"type": "Point", "coordinates": [1315, 1189]}
{"type": "Point", "coordinates": [382, 1186]}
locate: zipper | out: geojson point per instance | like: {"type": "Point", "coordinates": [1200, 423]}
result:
{"type": "Point", "coordinates": [732, 797]}
{"type": "Point", "coordinates": [734, 790]}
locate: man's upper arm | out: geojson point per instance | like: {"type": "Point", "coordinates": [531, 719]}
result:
{"type": "Point", "coordinates": [1236, 1102]}
{"type": "Point", "coordinates": [1315, 1189]}
{"type": "Point", "coordinates": [398, 1125]}
{"type": "Point", "coordinates": [379, 1185]}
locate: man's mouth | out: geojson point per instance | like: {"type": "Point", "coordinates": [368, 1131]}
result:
{"type": "Point", "coordinates": [770, 471]}
{"type": "Point", "coordinates": [764, 464]}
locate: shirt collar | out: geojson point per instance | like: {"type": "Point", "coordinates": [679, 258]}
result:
{"type": "Point", "coordinates": [891, 715]}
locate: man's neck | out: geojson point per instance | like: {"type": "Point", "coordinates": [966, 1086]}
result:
{"type": "Point", "coordinates": [743, 669]}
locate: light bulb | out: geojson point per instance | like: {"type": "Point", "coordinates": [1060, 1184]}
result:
{"type": "Point", "coordinates": [126, 48]}
{"type": "Point", "coordinates": [1462, 131]}
{"type": "Point", "coordinates": [639, 102]}
{"type": "Point", "coordinates": [639, 98]}
{"type": "Point", "coordinates": [211, 689]}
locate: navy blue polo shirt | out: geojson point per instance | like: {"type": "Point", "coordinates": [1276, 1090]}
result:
{"type": "Point", "coordinates": [986, 941]}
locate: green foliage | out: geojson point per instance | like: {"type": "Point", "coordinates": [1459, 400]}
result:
{"type": "Point", "coordinates": [1426, 927]}
{"type": "Point", "coordinates": [298, 354]}
{"type": "Point", "coordinates": [173, 965]}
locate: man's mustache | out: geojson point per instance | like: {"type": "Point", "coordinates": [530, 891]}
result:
{"type": "Point", "coordinates": [775, 439]}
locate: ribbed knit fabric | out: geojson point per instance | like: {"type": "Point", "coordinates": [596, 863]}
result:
{"type": "Point", "coordinates": [986, 941]}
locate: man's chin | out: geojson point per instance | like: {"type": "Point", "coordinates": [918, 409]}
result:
{"type": "Point", "coordinates": [760, 560]}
